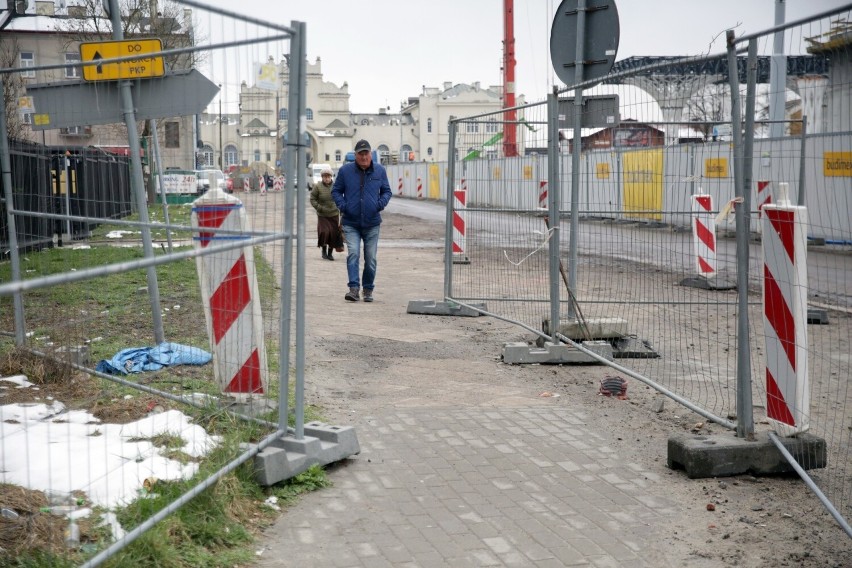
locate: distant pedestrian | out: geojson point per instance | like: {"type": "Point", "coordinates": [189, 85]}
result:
{"type": "Point", "coordinates": [361, 191]}
{"type": "Point", "coordinates": [328, 216]}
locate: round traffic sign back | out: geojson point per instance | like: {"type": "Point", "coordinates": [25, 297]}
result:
{"type": "Point", "coordinates": [601, 33]}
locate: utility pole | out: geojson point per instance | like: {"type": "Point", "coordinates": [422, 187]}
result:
{"type": "Point", "coordinates": [510, 146]}
{"type": "Point", "coordinates": [277, 163]}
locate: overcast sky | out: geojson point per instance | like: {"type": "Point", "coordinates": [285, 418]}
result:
{"type": "Point", "coordinates": [387, 50]}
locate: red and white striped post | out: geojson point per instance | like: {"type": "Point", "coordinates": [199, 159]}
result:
{"type": "Point", "coordinates": [278, 183]}
{"type": "Point", "coordinates": [246, 185]}
{"type": "Point", "coordinates": [704, 235]}
{"type": "Point", "coordinates": [463, 184]}
{"type": "Point", "coordinates": [399, 187]}
{"type": "Point", "coordinates": [230, 296]}
{"type": "Point", "coordinates": [459, 241]}
{"type": "Point", "coordinates": [785, 311]}
{"type": "Point", "coordinates": [262, 183]}
{"type": "Point", "coordinates": [542, 194]}
{"type": "Point", "coordinates": [764, 196]}
{"type": "Point", "coordinates": [419, 188]}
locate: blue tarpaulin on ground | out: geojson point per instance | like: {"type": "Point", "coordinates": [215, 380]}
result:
{"type": "Point", "coordinates": [139, 359]}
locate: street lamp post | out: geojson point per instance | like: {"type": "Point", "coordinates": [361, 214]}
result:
{"type": "Point", "coordinates": [221, 150]}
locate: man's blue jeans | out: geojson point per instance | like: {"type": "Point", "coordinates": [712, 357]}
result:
{"type": "Point", "coordinates": [370, 237]}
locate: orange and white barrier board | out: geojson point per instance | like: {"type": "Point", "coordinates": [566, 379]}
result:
{"type": "Point", "coordinates": [262, 183]}
{"type": "Point", "coordinates": [230, 296]}
{"type": "Point", "coordinates": [704, 235]}
{"type": "Point", "coordinates": [785, 311]}
{"type": "Point", "coordinates": [278, 183]}
{"type": "Point", "coordinates": [419, 188]}
{"type": "Point", "coordinates": [399, 187]}
{"type": "Point", "coordinates": [246, 185]}
{"type": "Point", "coordinates": [459, 206]}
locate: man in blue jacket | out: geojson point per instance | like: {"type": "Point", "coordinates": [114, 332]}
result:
{"type": "Point", "coordinates": [361, 191]}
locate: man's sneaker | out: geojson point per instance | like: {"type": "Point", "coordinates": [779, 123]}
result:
{"type": "Point", "coordinates": [352, 295]}
{"type": "Point", "coordinates": [368, 295]}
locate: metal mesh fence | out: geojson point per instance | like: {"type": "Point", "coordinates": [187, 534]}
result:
{"type": "Point", "coordinates": [144, 304]}
{"type": "Point", "coordinates": [662, 233]}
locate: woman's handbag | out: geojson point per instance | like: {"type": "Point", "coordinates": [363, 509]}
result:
{"type": "Point", "coordinates": [341, 238]}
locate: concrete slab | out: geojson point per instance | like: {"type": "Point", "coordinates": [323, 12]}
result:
{"type": "Point", "coordinates": [632, 348]}
{"type": "Point", "coordinates": [725, 455]}
{"type": "Point", "coordinates": [817, 316]}
{"type": "Point", "coordinates": [322, 444]}
{"type": "Point", "coordinates": [553, 354]}
{"type": "Point", "coordinates": [592, 328]}
{"type": "Point", "coordinates": [716, 282]}
{"type": "Point", "coordinates": [431, 307]}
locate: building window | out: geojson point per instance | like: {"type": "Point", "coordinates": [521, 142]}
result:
{"type": "Point", "coordinates": [491, 125]}
{"type": "Point", "coordinates": [230, 155]}
{"type": "Point", "coordinates": [309, 114]}
{"type": "Point", "coordinates": [257, 155]}
{"type": "Point", "coordinates": [406, 153]}
{"type": "Point", "coordinates": [205, 155]}
{"type": "Point", "coordinates": [72, 72]}
{"type": "Point", "coordinates": [27, 60]}
{"type": "Point", "coordinates": [282, 114]}
{"type": "Point", "coordinates": [337, 155]}
{"type": "Point", "coordinates": [429, 125]}
{"type": "Point", "coordinates": [27, 118]}
{"type": "Point", "coordinates": [471, 127]}
{"type": "Point", "coordinates": [172, 135]}
{"type": "Point", "coordinates": [491, 154]}
{"type": "Point", "coordinates": [384, 154]}
{"type": "Point", "coordinates": [429, 150]}
{"type": "Point", "coordinates": [268, 157]}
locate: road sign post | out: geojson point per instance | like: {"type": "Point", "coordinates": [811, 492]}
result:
{"type": "Point", "coordinates": [144, 66]}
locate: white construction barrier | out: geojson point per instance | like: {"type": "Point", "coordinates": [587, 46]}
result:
{"type": "Point", "coordinates": [764, 196]}
{"type": "Point", "coordinates": [230, 296]}
{"type": "Point", "coordinates": [785, 310]}
{"type": "Point", "coordinates": [262, 183]}
{"type": "Point", "coordinates": [246, 185]}
{"type": "Point", "coordinates": [278, 183]}
{"type": "Point", "coordinates": [704, 235]}
{"type": "Point", "coordinates": [459, 243]}
{"type": "Point", "coordinates": [419, 188]}
{"type": "Point", "coordinates": [399, 187]}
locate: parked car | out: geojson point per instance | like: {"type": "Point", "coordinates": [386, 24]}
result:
{"type": "Point", "coordinates": [203, 179]}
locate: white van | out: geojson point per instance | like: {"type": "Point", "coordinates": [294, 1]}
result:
{"type": "Point", "coordinates": [316, 172]}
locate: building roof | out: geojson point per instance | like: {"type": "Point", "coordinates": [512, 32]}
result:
{"type": "Point", "coordinates": [256, 123]}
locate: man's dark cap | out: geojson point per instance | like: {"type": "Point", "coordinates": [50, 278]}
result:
{"type": "Point", "coordinates": [362, 146]}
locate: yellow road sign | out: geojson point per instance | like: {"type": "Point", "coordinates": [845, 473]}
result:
{"type": "Point", "coordinates": [136, 69]}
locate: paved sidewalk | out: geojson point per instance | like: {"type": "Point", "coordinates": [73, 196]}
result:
{"type": "Point", "coordinates": [461, 463]}
{"type": "Point", "coordinates": [482, 487]}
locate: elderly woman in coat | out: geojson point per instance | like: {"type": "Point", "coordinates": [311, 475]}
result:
{"type": "Point", "coordinates": [328, 216]}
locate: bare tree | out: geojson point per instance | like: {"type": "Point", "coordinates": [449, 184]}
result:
{"type": "Point", "coordinates": [13, 90]}
{"type": "Point", "coordinates": [711, 104]}
{"type": "Point", "coordinates": [164, 20]}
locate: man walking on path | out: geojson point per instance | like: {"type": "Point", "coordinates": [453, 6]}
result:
{"type": "Point", "coordinates": [361, 191]}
